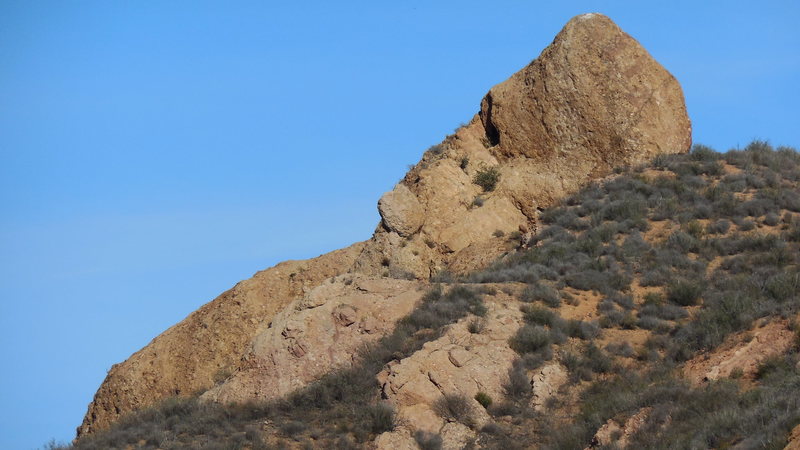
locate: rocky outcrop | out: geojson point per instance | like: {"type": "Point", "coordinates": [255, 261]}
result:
{"type": "Point", "coordinates": [458, 363]}
{"type": "Point", "coordinates": [323, 329]}
{"type": "Point", "coordinates": [742, 352]}
{"type": "Point", "coordinates": [593, 100]}
{"type": "Point", "coordinates": [594, 97]}
{"type": "Point", "coordinates": [207, 345]}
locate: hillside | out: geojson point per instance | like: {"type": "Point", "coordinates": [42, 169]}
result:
{"type": "Point", "coordinates": [593, 100]}
{"type": "Point", "coordinates": [656, 308]}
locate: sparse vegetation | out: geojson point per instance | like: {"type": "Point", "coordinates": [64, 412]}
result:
{"type": "Point", "coordinates": [487, 178]}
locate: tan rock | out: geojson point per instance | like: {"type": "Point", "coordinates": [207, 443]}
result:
{"type": "Point", "coordinates": [191, 355]}
{"type": "Point", "coordinates": [420, 417]}
{"type": "Point", "coordinates": [794, 439]}
{"type": "Point", "coordinates": [303, 344]}
{"type": "Point", "coordinates": [593, 100]}
{"type": "Point", "coordinates": [399, 439]}
{"type": "Point", "coordinates": [546, 384]}
{"type": "Point", "coordinates": [401, 211]}
{"type": "Point", "coordinates": [594, 97]}
{"type": "Point", "coordinates": [459, 362]}
{"type": "Point", "coordinates": [742, 351]}
{"type": "Point", "coordinates": [455, 436]}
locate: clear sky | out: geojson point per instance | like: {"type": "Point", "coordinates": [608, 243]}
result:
{"type": "Point", "coordinates": [152, 153]}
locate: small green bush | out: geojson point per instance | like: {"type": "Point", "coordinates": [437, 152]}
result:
{"type": "Point", "coordinates": [487, 178]}
{"type": "Point", "coordinates": [484, 399]}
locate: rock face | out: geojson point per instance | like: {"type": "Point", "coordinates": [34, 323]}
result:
{"type": "Point", "coordinates": [594, 96]}
{"type": "Point", "coordinates": [323, 329]}
{"type": "Point", "coordinates": [202, 348]}
{"type": "Point", "coordinates": [458, 363]}
{"type": "Point", "coordinates": [593, 100]}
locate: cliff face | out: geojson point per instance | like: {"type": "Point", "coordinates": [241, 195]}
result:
{"type": "Point", "coordinates": [593, 100]}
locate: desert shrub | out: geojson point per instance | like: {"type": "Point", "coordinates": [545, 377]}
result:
{"type": "Point", "coordinates": [783, 286]}
{"type": "Point", "coordinates": [771, 219]}
{"type": "Point", "coordinates": [491, 428]}
{"type": "Point", "coordinates": [439, 309]}
{"type": "Point", "coordinates": [701, 152]}
{"type": "Point", "coordinates": [684, 292]}
{"type": "Point", "coordinates": [682, 242]}
{"type": "Point", "coordinates": [476, 325]}
{"type": "Point", "coordinates": [427, 440]}
{"type": "Point", "coordinates": [743, 224]}
{"type": "Point", "coordinates": [381, 418]}
{"type": "Point", "coordinates": [487, 178]}
{"type": "Point", "coordinates": [624, 349]}
{"type": "Point", "coordinates": [454, 407]}
{"type": "Point", "coordinates": [529, 339]}
{"type": "Point", "coordinates": [718, 227]}
{"type": "Point", "coordinates": [484, 399]}
{"type": "Point", "coordinates": [541, 292]}
{"type": "Point", "coordinates": [611, 318]}
{"type": "Point", "coordinates": [663, 311]}
{"type": "Point", "coordinates": [292, 428]}
{"type": "Point", "coordinates": [539, 316]}
{"type": "Point", "coordinates": [517, 386]}
{"type": "Point", "coordinates": [580, 329]}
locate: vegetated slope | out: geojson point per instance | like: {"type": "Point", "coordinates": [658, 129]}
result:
{"type": "Point", "coordinates": [634, 285]}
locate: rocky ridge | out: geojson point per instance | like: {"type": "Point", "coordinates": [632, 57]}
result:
{"type": "Point", "coordinates": [593, 100]}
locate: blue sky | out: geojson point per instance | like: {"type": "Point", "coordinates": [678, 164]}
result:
{"type": "Point", "coordinates": [152, 154]}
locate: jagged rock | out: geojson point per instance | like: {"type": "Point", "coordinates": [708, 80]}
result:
{"type": "Point", "coordinates": [594, 99]}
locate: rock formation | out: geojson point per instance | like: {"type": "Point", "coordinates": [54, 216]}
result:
{"type": "Point", "coordinates": [593, 100]}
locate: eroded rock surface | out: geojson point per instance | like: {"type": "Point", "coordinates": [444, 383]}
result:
{"type": "Point", "coordinates": [458, 363]}
{"type": "Point", "coordinates": [742, 351]}
{"type": "Point", "coordinates": [318, 332]}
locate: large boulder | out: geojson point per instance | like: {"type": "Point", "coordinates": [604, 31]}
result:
{"type": "Point", "coordinates": [594, 94]}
